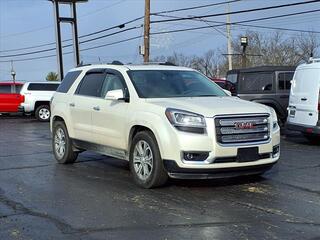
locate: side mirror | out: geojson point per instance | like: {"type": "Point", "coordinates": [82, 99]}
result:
{"type": "Point", "coordinates": [227, 92]}
{"type": "Point", "coordinates": [115, 95]}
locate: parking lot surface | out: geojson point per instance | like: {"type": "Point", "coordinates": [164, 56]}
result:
{"type": "Point", "coordinates": [96, 198]}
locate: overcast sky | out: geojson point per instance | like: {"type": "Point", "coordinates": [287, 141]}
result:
{"type": "Point", "coordinates": [25, 23]}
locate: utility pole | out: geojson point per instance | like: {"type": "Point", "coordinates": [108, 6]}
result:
{"type": "Point", "coordinates": [13, 74]}
{"type": "Point", "coordinates": [146, 54]}
{"type": "Point", "coordinates": [244, 44]}
{"type": "Point", "coordinates": [229, 37]}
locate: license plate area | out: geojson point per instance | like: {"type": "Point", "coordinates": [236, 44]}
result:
{"type": "Point", "coordinates": [248, 154]}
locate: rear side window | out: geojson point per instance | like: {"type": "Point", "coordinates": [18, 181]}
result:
{"type": "Point", "coordinates": [256, 82]}
{"type": "Point", "coordinates": [43, 87]}
{"type": "Point", "coordinates": [284, 80]}
{"type": "Point", "coordinates": [91, 85]}
{"type": "Point", "coordinates": [68, 81]}
{"type": "Point", "coordinates": [5, 88]}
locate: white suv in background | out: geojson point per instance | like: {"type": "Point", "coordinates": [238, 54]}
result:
{"type": "Point", "coordinates": [167, 121]}
{"type": "Point", "coordinates": [304, 102]}
{"type": "Point", "coordinates": [37, 99]}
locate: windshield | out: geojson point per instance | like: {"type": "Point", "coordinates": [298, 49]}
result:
{"type": "Point", "coordinates": [173, 83]}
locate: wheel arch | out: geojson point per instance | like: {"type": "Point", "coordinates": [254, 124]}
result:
{"type": "Point", "coordinates": [39, 103]}
{"type": "Point", "coordinates": [143, 127]}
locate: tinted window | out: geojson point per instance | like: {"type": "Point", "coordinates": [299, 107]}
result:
{"type": "Point", "coordinates": [68, 81]}
{"type": "Point", "coordinates": [43, 87]}
{"type": "Point", "coordinates": [172, 83]}
{"type": "Point", "coordinates": [112, 82]}
{"type": "Point", "coordinates": [284, 80]}
{"type": "Point", "coordinates": [256, 82]}
{"type": "Point", "coordinates": [91, 85]}
{"type": "Point", "coordinates": [5, 88]}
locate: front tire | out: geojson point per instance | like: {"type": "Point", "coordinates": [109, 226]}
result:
{"type": "Point", "coordinates": [62, 144]}
{"type": "Point", "coordinates": [43, 113]}
{"type": "Point", "coordinates": [146, 164]}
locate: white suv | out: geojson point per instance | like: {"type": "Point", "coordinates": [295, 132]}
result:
{"type": "Point", "coordinates": [166, 121]}
{"type": "Point", "coordinates": [37, 99]}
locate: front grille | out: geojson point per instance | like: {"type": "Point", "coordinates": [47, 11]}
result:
{"type": "Point", "coordinates": [242, 129]}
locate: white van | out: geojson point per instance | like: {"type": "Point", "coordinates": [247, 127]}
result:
{"type": "Point", "coordinates": [304, 102]}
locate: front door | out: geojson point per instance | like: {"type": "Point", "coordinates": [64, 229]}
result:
{"type": "Point", "coordinates": [109, 120]}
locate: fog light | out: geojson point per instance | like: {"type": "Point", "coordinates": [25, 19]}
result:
{"type": "Point", "coordinates": [195, 156]}
{"type": "Point", "coordinates": [275, 151]}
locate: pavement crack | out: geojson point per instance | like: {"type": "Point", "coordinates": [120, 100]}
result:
{"type": "Point", "coordinates": [159, 226]}
{"type": "Point", "coordinates": [25, 154]}
{"type": "Point", "coordinates": [25, 167]}
{"type": "Point", "coordinates": [297, 187]}
{"type": "Point", "coordinates": [22, 210]}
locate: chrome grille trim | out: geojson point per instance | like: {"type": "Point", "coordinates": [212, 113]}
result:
{"type": "Point", "coordinates": [231, 122]}
{"type": "Point", "coordinates": [242, 129]}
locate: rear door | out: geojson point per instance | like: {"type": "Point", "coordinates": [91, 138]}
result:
{"type": "Point", "coordinates": [304, 94]}
{"type": "Point", "coordinates": [9, 100]}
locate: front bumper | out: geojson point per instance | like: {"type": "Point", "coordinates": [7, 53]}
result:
{"type": "Point", "coordinates": [313, 130]}
{"type": "Point", "coordinates": [174, 171]}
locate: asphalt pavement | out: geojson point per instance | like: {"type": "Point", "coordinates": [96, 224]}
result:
{"type": "Point", "coordinates": [95, 198]}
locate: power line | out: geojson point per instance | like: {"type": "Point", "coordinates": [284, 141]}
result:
{"type": "Point", "coordinates": [241, 23]}
{"type": "Point", "coordinates": [69, 45]}
{"type": "Point", "coordinates": [85, 49]}
{"type": "Point", "coordinates": [195, 7]}
{"type": "Point", "coordinates": [235, 12]}
{"type": "Point", "coordinates": [82, 36]}
{"type": "Point", "coordinates": [50, 26]}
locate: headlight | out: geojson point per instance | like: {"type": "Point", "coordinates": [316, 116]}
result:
{"type": "Point", "coordinates": [186, 121]}
{"type": "Point", "coordinates": [274, 119]}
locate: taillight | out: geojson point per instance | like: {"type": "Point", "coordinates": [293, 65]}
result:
{"type": "Point", "coordinates": [22, 98]}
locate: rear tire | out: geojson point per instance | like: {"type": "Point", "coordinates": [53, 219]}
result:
{"type": "Point", "coordinates": [145, 162]}
{"type": "Point", "coordinates": [62, 144]}
{"type": "Point", "coordinates": [43, 113]}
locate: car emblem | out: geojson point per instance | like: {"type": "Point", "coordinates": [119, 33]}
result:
{"type": "Point", "coordinates": [244, 125]}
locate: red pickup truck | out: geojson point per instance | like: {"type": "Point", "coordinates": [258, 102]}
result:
{"type": "Point", "coordinates": [10, 97]}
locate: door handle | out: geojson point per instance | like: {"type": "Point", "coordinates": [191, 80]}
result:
{"type": "Point", "coordinates": [72, 105]}
{"type": "Point", "coordinates": [97, 108]}
{"type": "Point", "coordinates": [303, 99]}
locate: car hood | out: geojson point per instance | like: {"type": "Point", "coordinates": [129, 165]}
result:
{"type": "Point", "coordinates": [210, 106]}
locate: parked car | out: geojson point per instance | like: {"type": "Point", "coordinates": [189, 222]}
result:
{"type": "Point", "coordinates": [10, 97]}
{"type": "Point", "coordinates": [225, 84]}
{"type": "Point", "coordinates": [304, 103]}
{"type": "Point", "coordinates": [37, 98]}
{"type": "Point", "coordinates": [269, 85]}
{"type": "Point", "coordinates": [167, 121]}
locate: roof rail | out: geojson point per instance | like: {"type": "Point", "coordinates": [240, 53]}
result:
{"type": "Point", "coordinates": [313, 60]}
{"type": "Point", "coordinates": [160, 63]}
{"type": "Point", "coordinates": [81, 64]}
{"type": "Point", "coordinates": [116, 62]}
